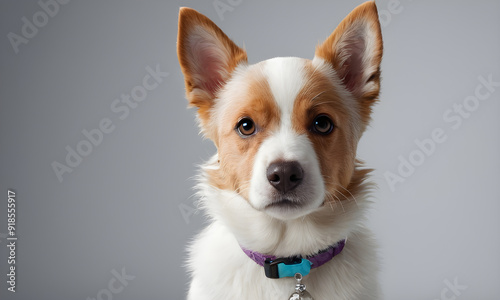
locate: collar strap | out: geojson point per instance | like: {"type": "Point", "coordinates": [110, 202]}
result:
{"type": "Point", "coordinates": [279, 267]}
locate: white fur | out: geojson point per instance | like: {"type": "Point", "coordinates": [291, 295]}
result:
{"type": "Point", "coordinates": [287, 145]}
{"type": "Point", "coordinates": [286, 79]}
{"type": "Point", "coordinates": [285, 76]}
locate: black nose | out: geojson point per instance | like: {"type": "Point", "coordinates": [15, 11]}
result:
{"type": "Point", "coordinates": [285, 175]}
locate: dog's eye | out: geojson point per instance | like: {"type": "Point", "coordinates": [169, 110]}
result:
{"type": "Point", "coordinates": [245, 127]}
{"type": "Point", "coordinates": [322, 125]}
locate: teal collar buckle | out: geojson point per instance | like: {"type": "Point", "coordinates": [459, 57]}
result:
{"type": "Point", "coordinates": [286, 267]}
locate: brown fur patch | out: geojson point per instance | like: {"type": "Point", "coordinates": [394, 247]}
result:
{"type": "Point", "coordinates": [236, 153]}
{"type": "Point", "coordinates": [336, 151]}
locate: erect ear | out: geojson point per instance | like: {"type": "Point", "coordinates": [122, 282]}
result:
{"type": "Point", "coordinates": [355, 51]}
{"type": "Point", "coordinates": [207, 58]}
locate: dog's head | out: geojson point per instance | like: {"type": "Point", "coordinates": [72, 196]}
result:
{"type": "Point", "coordinates": [286, 129]}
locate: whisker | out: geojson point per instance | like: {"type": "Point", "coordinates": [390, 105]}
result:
{"type": "Point", "coordinates": [340, 202]}
{"type": "Point", "coordinates": [352, 196]}
{"type": "Point", "coordinates": [338, 199]}
{"type": "Point", "coordinates": [329, 200]}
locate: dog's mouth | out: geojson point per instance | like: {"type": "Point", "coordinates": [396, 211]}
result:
{"type": "Point", "coordinates": [284, 204]}
{"type": "Point", "coordinates": [288, 208]}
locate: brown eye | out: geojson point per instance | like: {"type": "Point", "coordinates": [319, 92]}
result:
{"type": "Point", "coordinates": [322, 125]}
{"type": "Point", "coordinates": [246, 127]}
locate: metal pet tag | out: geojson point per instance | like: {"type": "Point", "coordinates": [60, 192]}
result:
{"type": "Point", "coordinates": [300, 290]}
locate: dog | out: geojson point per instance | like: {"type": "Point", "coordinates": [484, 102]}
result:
{"type": "Point", "coordinates": [285, 194]}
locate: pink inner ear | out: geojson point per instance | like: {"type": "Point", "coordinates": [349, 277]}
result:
{"type": "Point", "coordinates": [209, 62]}
{"type": "Point", "coordinates": [352, 68]}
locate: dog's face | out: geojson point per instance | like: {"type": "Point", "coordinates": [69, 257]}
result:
{"type": "Point", "coordinates": [286, 129]}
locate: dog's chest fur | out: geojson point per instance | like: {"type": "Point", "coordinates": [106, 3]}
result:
{"type": "Point", "coordinates": [221, 270]}
{"type": "Point", "coordinates": [227, 273]}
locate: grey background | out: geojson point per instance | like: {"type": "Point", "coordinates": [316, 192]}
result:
{"type": "Point", "coordinates": [122, 206]}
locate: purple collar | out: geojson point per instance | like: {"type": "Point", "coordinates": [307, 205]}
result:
{"type": "Point", "coordinates": [317, 260]}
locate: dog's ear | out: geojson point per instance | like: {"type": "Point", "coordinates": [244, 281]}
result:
{"type": "Point", "coordinates": [207, 58]}
{"type": "Point", "coordinates": [355, 51]}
